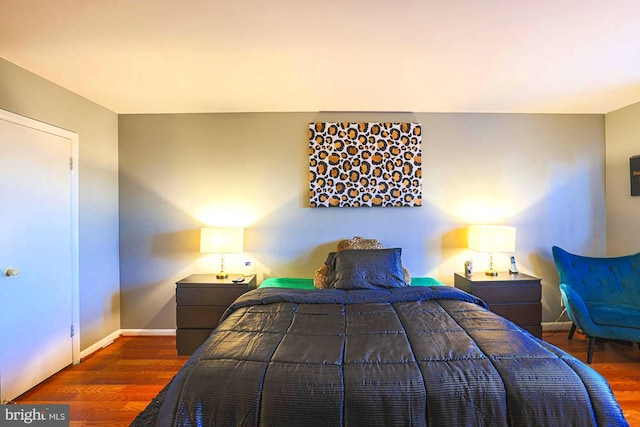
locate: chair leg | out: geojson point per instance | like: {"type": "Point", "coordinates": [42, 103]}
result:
{"type": "Point", "coordinates": [592, 342]}
{"type": "Point", "coordinates": [572, 331]}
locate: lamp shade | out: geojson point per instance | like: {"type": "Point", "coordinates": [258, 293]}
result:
{"type": "Point", "coordinates": [221, 240]}
{"type": "Point", "coordinates": [492, 238]}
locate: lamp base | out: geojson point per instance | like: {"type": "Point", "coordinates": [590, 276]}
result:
{"type": "Point", "coordinates": [222, 275]}
{"type": "Point", "coordinates": [491, 272]}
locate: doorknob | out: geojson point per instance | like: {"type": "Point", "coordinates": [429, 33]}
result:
{"type": "Point", "coordinates": [10, 272]}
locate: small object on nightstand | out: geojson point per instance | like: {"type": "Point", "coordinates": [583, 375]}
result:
{"type": "Point", "coordinates": [468, 267]}
{"type": "Point", "coordinates": [247, 269]}
{"type": "Point", "coordinates": [238, 279]}
{"type": "Point", "coordinates": [513, 269]}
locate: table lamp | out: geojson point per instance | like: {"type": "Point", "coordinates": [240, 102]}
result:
{"type": "Point", "coordinates": [221, 241]}
{"type": "Point", "coordinates": [492, 238]}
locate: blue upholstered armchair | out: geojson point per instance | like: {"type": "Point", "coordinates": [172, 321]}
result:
{"type": "Point", "coordinates": [601, 295]}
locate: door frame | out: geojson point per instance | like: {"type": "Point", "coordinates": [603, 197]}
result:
{"type": "Point", "coordinates": [75, 268]}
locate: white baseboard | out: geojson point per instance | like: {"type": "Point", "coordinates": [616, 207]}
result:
{"type": "Point", "coordinates": [125, 333]}
{"type": "Point", "coordinates": [147, 332]}
{"type": "Point", "coordinates": [100, 344]}
{"type": "Point", "coordinates": [556, 326]}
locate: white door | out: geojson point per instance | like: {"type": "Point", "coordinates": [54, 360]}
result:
{"type": "Point", "coordinates": [36, 256]}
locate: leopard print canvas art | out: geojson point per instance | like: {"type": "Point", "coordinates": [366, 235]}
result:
{"type": "Point", "coordinates": [365, 164]}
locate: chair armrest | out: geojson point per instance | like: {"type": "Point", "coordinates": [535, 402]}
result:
{"type": "Point", "coordinates": [576, 309]}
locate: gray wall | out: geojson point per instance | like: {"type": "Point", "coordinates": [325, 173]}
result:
{"type": "Point", "coordinates": [24, 93]}
{"type": "Point", "coordinates": [623, 211]}
{"type": "Point", "coordinates": [543, 174]}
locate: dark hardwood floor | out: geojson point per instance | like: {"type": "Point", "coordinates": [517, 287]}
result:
{"type": "Point", "coordinates": [113, 385]}
{"type": "Point", "coordinates": [110, 387]}
{"type": "Point", "coordinates": [618, 363]}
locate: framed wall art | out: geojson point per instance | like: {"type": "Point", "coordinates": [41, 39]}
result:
{"type": "Point", "coordinates": [634, 172]}
{"type": "Point", "coordinates": [365, 164]}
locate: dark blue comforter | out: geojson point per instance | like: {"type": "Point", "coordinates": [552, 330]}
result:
{"type": "Point", "coordinates": [406, 356]}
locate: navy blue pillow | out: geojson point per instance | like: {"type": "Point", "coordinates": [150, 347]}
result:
{"type": "Point", "coordinates": [367, 269]}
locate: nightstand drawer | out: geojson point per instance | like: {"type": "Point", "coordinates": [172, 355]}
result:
{"type": "Point", "coordinates": [508, 293]}
{"type": "Point", "coordinates": [212, 296]}
{"type": "Point", "coordinates": [516, 297]}
{"type": "Point", "coordinates": [199, 316]}
{"type": "Point", "coordinates": [201, 300]}
{"type": "Point", "coordinates": [188, 340]}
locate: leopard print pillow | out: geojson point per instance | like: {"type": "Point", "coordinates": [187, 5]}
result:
{"type": "Point", "coordinates": [321, 278]}
{"type": "Point", "coordinates": [359, 243]}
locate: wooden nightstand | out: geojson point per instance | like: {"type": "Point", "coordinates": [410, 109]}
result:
{"type": "Point", "coordinates": [201, 299]}
{"type": "Point", "coordinates": [513, 296]}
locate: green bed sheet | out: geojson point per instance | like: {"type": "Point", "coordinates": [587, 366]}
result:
{"type": "Point", "coordinates": [304, 283]}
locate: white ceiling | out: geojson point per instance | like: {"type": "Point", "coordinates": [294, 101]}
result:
{"type": "Point", "coordinates": [167, 56]}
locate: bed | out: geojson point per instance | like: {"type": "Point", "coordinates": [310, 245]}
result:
{"type": "Point", "coordinates": [289, 354]}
